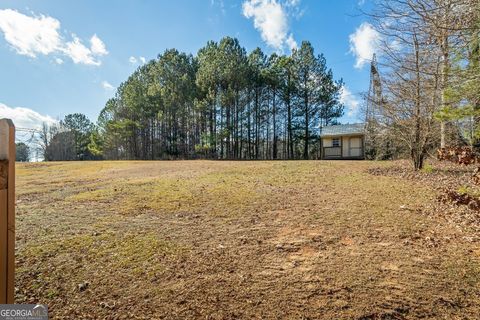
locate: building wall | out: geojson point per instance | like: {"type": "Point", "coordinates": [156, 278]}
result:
{"type": "Point", "coordinates": [346, 143]}
{"type": "Point", "coordinates": [327, 142]}
{"type": "Point", "coordinates": [345, 147]}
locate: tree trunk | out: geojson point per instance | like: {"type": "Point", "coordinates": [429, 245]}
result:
{"type": "Point", "coordinates": [274, 119]}
{"type": "Point", "coordinates": [307, 120]}
{"type": "Point", "coordinates": [417, 150]}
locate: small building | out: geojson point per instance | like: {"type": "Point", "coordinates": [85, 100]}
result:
{"type": "Point", "coordinates": [344, 141]}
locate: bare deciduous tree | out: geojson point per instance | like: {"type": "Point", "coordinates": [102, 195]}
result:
{"type": "Point", "coordinates": [418, 40]}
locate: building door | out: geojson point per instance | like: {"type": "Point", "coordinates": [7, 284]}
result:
{"type": "Point", "coordinates": [355, 147]}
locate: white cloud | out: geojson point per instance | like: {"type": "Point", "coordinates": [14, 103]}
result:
{"type": "Point", "coordinates": [293, 8]}
{"type": "Point", "coordinates": [135, 60]}
{"type": "Point", "coordinates": [97, 46]}
{"type": "Point", "coordinates": [79, 53]}
{"type": "Point", "coordinates": [107, 86]}
{"type": "Point", "coordinates": [35, 35]}
{"type": "Point", "coordinates": [58, 61]}
{"type": "Point", "coordinates": [24, 117]}
{"type": "Point", "coordinates": [30, 36]}
{"type": "Point", "coordinates": [271, 19]}
{"type": "Point", "coordinates": [364, 42]}
{"type": "Point", "coordinates": [291, 43]}
{"type": "Point", "coordinates": [292, 3]}
{"type": "Point", "coordinates": [350, 101]}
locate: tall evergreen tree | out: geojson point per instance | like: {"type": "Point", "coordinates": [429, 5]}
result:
{"type": "Point", "coordinates": [318, 93]}
{"type": "Point", "coordinates": [222, 104]}
{"type": "Point", "coordinates": [80, 127]}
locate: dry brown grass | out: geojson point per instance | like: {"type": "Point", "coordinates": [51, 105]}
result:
{"type": "Point", "coordinates": [229, 240]}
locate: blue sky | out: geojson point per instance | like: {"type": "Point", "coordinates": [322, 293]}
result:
{"type": "Point", "coordinates": [59, 57]}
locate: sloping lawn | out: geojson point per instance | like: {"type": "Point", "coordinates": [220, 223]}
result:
{"type": "Point", "coordinates": [230, 240]}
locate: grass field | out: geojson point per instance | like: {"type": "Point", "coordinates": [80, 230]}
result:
{"type": "Point", "coordinates": [230, 240]}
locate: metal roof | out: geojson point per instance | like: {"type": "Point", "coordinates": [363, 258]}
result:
{"type": "Point", "coordinates": [343, 130]}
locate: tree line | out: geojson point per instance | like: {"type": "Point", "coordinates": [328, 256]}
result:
{"type": "Point", "coordinates": [223, 103]}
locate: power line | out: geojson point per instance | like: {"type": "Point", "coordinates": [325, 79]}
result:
{"type": "Point", "coordinates": [28, 130]}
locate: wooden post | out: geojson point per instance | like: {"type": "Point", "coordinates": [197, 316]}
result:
{"type": "Point", "coordinates": [7, 211]}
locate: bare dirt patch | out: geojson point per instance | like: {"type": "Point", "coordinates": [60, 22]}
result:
{"type": "Point", "coordinates": [238, 240]}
